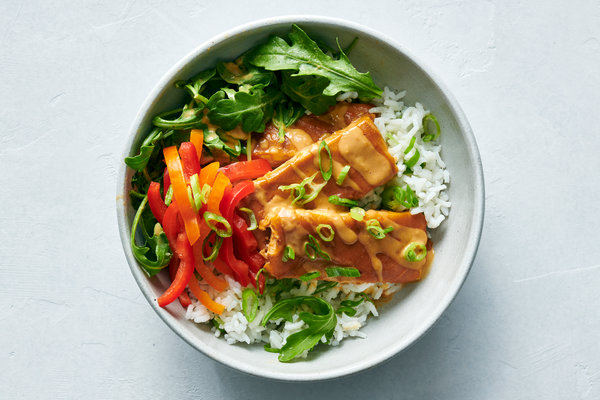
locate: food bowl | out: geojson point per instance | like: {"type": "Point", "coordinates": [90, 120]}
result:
{"type": "Point", "coordinates": [416, 307]}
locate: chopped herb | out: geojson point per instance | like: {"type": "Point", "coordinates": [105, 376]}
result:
{"type": "Point", "coordinates": [325, 174]}
{"type": "Point", "coordinates": [329, 237]}
{"type": "Point", "coordinates": [340, 201]}
{"type": "Point", "coordinates": [335, 271]}
{"type": "Point", "coordinates": [309, 276]}
{"type": "Point", "coordinates": [251, 217]}
{"type": "Point", "coordinates": [342, 176]}
{"type": "Point", "coordinates": [374, 229]}
{"type": "Point", "coordinates": [249, 304]}
{"type": "Point", "coordinates": [214, 247]}
{"type": "Point", "coordinates": [211, 218]}
{"type": "Point", "coordinates": [428, 120]}
{"type": "Point", "coordinates": [415, 252]}
{"type": "Point", "coordinates": [357, 213]}
{"type": "Point", "coordinates": [288, 254]}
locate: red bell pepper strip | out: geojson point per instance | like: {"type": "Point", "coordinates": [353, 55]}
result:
{"type": "Point", "coordinates": [166, 182]}
{"type": "Point", "coordinates": [204, 297]}
{"type": "Point", "coordinates": [171, 224]}
{"type": "Point", "coordinates": [239, 268]}
{"type": "Point", "coordinates": [246, 246]}
{"type": "Point", "coordinates": [197, 138]}
{"type": "Point", "coordinates": [184, 272]}
{"type": "Point", "coordinates": [232, 198]}
{"type": "Point", "coordinates": [246, 169]}
{"type": "Point", "coordinates": [184, 299]}
{"type": "Point", "coordinates": [223, 268]}
{"type": "Point", "coordinates": [189, 160]}
{"type": "Point", "coordinates": [157, 205]}
{"type": "Point", "coordinates": [190, 218]}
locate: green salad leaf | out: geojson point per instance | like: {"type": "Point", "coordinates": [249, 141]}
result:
{"type": "Point", "coordinates": [308, 91]}
{"type": "Point", "coordinates": [155, 253]}
{"type": "Point", "coordinates": [305, 57]}
{"type": "Point", "coordinates": [250, 109]}
{"type": "Point", "coordinates": [196, 85]}
{"type": "Point", "coordinates": [139, 161]}
{"type": "Point", "coordinates": [286, 113]}
{"type": "Point", "coordinates": [188, 118]}
{"type": "Point", "coordinates": [240, 73]}
{"type": "Point", "coordinates": [321, 322]}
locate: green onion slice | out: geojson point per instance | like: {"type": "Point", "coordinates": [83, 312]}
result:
{"type": "Point", "coordinates": [327, 227]}
{"type": "Point", "coordinates": [415, 252]}
{"type": "Point", "coordinates": [213, 219]}
{"type": "Point", "coordinates": [357, 213]}
{"type": "Point", "coordinates": [191, 199]}
{"type": "Point", "coordinates": [342, 176]}
{"type": "Point", "coordinates": [429, 136]}
{"type": "Point", "coordinates": [216, 246]}
{"type": "Point", "coordinates": [314, 245]}
{"type": "Point", "coordinates": [298, 190]}
{"type": "Point", "coordinates": [169, 196]}
{"type": "Point", "coordinates": [196, 192]}
{"type": "Point", "coordinates": [340, 201]}
{"type": "Point", "coordinates": [352, 303]}
{"type": "Point", "coordinates": [335, 271]}
{"type": "Point", "coordinates": [251, 217]}
{"type": "Point", "coordinates": [249, 304]}
{"type": "Point", "coordinates": [205, 193]}
{"type": "Point", "coordinates": [288, 254]}
{"type": "Point", "coordinates": [325, 285]}
{"type": "Point", "coordinates": [415, 158]}
{"type": "Point", "coordinates": [325, 174]}
{"type": "Point", "coordinates": [374, 229]}
{"type": "Point", "coordinates": [309, 276]}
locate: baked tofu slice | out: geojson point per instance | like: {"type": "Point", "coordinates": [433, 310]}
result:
{"type": "Point", "coordinates": [359, 145]}
{"type": "Point", "coordinates": [378, 260]}
{"type": "Point", "coordinates": [307, 130]}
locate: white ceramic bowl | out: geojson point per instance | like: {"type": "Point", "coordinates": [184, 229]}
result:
{"type": "Point", "coordinates": [415, 308]}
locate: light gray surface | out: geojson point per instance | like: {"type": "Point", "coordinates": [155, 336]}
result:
{"type": "Point", "coordinates": [74, 324]}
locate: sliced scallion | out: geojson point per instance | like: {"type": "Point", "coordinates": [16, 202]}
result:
{"type": "Point", "coordinates": [216, 246]}
{"type": "Point", "coordinates": [288, 254]}
{"type": "Point", "coordinates": [325, 174]}
{"type": "Point", "coordinates": [325, 237]}
{"type": "Point", "coordinates": [212, 220]}
{"type": "Point", "coordinates": [342, 176]}
{"type": "Point", "coordinates": [428, 120]}
{"type": "Point", "coordinates": [249, 304]}
{"type": "Point", "coordinates": [415, 252]}
{"type": "Point", "coordinates": [169, 196]}
{"type": "Point", "coordinates": [251, 217]}
{"type": "Point", "coordinates": [410, 163]}
{"type": "Point", "coordinates": [374, 229]}
{"type": "Point", "coordinates": [315, 249]}
{"type": "Point", "coordinates": [340, 201]}
{"type": "Point", "coordinates": [336, 271]}
{"type": "Point", "coordinates": [357, 213]}
{"type": "Point", "coordinates": [309, 276]}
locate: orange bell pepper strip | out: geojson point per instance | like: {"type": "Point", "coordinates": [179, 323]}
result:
{"type": "Point", "coordinates": [222, 183]}
{"type": "Point", "coordinates": [190, 218]}
{"type": "Point", "coordinates": [204, 298]}
{"type": "Point", "coordinates": [208, 174]}
{"type": "Point", "coordinates": [197, 139]}
{"type": "Point", "coordinates": [219, 284]}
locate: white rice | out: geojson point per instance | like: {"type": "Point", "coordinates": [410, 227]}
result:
{"type": "Point", "coordinates": [398, 123]}
{"type": "Point", "coordinates": [236, 328]}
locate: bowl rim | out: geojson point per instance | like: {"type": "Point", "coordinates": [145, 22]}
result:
{"type": "Point", "coordinates": [472, 241]}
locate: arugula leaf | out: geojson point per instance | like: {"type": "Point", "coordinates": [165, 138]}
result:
{"type": "Point", "coordinates": [306, 58]}
{"type": "Point", "coordinates": [240, 73]}
{"type": "Point", "coordinates": [320, 323]}
{"type": "Point", "coordinates": [196, 85]}
{"type": "Point", "coordinates": [139, 162]}
{"type": "Point", "coordinates": [286, 114]}
{"type": "Point", "coordinates": [279, 286]}
{"type": "Point", "coordinates": [188, 118]}
{"type": "Point", "coordinates": [250, 110]}
{"type": "Point", "coordinates": [308, 91]}
{"type": "Point", "coordinates": [155, 246]}
{"type": "Point", "coordinates": [219, 141]}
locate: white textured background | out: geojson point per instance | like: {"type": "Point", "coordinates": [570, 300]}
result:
{"type": "Point", "coordinates": [73, 323]}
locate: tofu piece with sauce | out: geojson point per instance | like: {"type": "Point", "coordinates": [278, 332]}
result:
{"type": "Point", "coordinates": [359, 145]}
{"type": "Point", "coordinates": [307, 130]}
{"type": "Point", "coordinates": [378, 260]}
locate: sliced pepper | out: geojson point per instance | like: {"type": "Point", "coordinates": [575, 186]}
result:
{"type": "Point", "coordinates": [156, 203]}
{"type": "Point", "coordinates": [208, 174]}
{"type": "Point", "coordinates": [216, 193]}
{"type": "Point", "coordinates": [246, 169]}
{"type": "Point", "coordinates": [189, 160]}
{"type": "Point", "coordinates": [184, 272]}
{"type": "Point", "coordinates": [184, 298]}
{"type": "Point", "coordinates": [204, 298]}
{"type": "Point", "coordinates": [219, 284]}
{"type": "Point", "coordinates": [190, 218]}
{"type": "Point", "coordinates": [197, 138]}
